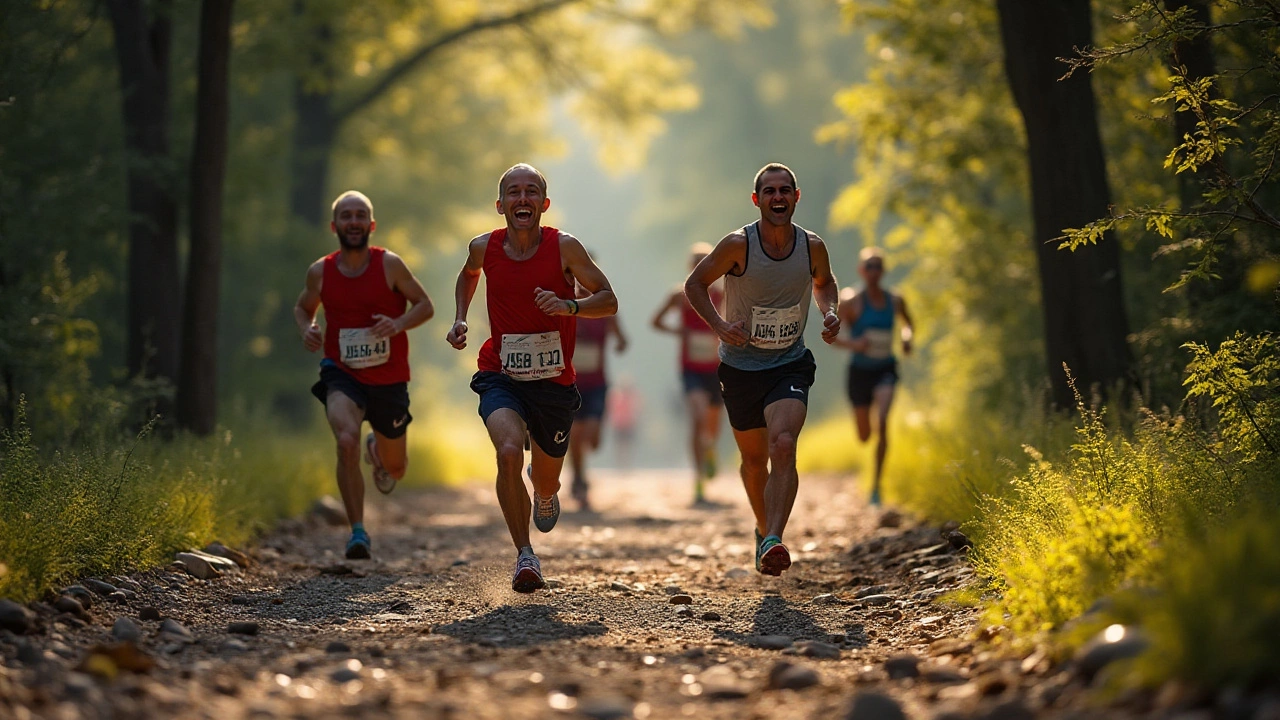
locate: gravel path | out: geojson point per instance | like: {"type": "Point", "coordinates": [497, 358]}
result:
{"type": "Point", "coordinates": [430, 627]}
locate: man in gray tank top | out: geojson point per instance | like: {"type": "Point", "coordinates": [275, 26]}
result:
{"type": "Point", "coordinates": [770, 267]}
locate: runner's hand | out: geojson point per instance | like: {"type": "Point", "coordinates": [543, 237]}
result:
{"type": "Point", "coordinates": [313, 338]}
{"type": "Point", "coordinates": [734, 334]}
{"type": "Point", "coordinates": [385, 327]}
{"type": "Point", "coordinates": [550, 303]}
{"type": "Point", "coordinates": [830, 327]}
{"type": "Point", "coordinates": [457, 336]}
{"type": "Point", "coordinates": [906, 347]}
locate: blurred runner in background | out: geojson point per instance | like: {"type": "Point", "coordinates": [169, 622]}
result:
{"type": "Point", "coordinates": [593, 386]}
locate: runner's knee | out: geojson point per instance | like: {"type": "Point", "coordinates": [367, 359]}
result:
{"type": "Point", "coordinates": [782, 447]}
{"type": "Point", "coordinates": [511, 455]}
{"type": "Point", "coordinates": [348, 443]}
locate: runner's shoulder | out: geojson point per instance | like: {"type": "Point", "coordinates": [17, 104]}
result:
{"type": "Point", "coordinates": [815, 240]}
{"type": "Point", "coordinates": [568, 240]}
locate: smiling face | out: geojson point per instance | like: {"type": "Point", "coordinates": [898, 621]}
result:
{"type": "Point", "coordinates": [352, 221]}
{"type": "Point", "coordinates": [523, 198]}
{"type": "Point", "coordinates": [776, 197]}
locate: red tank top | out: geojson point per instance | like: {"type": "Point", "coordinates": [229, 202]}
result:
{"type": "Point", "coordinates": [699, 344]}
{"type": "Point", "coordinates": [509, 287]}
{"type": "Point", "coordinates": [351, 302]}
{"type": "Point", "coordinates": [589, 352]}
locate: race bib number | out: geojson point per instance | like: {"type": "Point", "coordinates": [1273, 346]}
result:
{"type": "Point", "coordinates": [532, 357]}
{"type": "Point", "coordinates": [703, 347]}
{"type": "Point", "coordinates": [775, 328]}
{"type": "Point", "coordinates": [879, 343]}
{"type": "Point", "coordinates": [360, 349]}
{"type": "Point", "coordinates": [588, 358]}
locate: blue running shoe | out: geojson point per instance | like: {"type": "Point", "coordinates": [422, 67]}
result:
{"type": "Point", "coordinates": [359, 547]}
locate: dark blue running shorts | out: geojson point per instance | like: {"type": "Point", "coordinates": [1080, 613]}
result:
{"type": "Point", "coordinates": [547, 408]}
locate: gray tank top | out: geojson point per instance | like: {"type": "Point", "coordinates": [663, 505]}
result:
{"type": "Point", "coordinates": [771, 298]}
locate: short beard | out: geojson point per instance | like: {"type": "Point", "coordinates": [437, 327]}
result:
{"type": "Point", "coordinates": [348, 245]}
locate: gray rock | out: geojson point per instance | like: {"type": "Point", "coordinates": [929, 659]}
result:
{"type": "Point", "coordinates": [869, 591]}
{"type": "Point", "coordinates": [825, 599]}
{"type": "Point", "coordinates": [198, 566]}
{"type": "Point", "coordinates": [711, 616]}
{"type": "Point", "coordinates": [126, 630]}
{"type": "Point", "coordinates": [337, 646]}
{"type": "Point", "coordinates": [330, 510]}
{"type": "Point", "coordinates": [684, 612]}
{"type": "Point", "coordinates": [672, 590]}
{"type": "Point", "coordinates": [102, 588]}
{"type": "Point", "coordinates": [902, 666]}
{"type": "Point", "coordinates": [243, 628]}
{"type": "Point", "coordinates": [217, 549]}
{"type": "Point", "coordinates": [232, 645]}
{"type": "Point", "coordinates": [68, 604]}
{"type": "Point", "coordinates": [681, 599]}
{"type": "Point", "coordinates": [221, 564]}
{"type": "Point", "coordinates": [770, 642]}
{"type": "Point", "coordinates": [16, 618]}
{"type": "Point", "coordinates": [1102, 651]}
{"type": "Point", "coordinates": [606, 708]}
{"type": "Point", "coordinates": [128, 594]}
{"type": "Point", "coordinates": [344, 675]}
{"type": "Point", "coordinates": [874, 706]}
{"type": "Point", "coordinates": [785, 676]}
{"type": "Point", "coordinates": [81, 593]}
{"type": "Point", "coordinates": [818, 649]}
{"type": "Point", "coordinates": [118, 597]}
{"type": "Point", "coordinates": [125, 583]}
{"type": "Point", "coordinates": [148, 613]}
{"type": "Point", "coordinates": [176, 631]}
{"type": "Point", "coordinates": [619, 586]}
{"type": "Point", "coordinates": [719, 682]}
{"type": "Point", "coordinates": [874, 600]}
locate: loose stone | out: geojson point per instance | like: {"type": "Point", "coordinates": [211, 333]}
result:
{"type": "Point", "coordinates": [243, 628]}
{"type": "Point", "coordinates": [681, 600]}
{"type": "Point", "coordinates": [126, 630]}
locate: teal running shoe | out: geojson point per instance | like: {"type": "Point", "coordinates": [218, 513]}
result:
{"type": "Point", "coordinates": [359, 546]}
{"type": "Point", "coordinates": [774, 557]}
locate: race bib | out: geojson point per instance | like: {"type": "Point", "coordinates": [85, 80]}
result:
{"type": "Point", "coordinates": [703, 347]}
{"type": "Point", "coordinates": [880, 343]}
{"type": "Point", "coordinates": [359, 348]}
{"type": "Point", "coordinates": [776, 328]}
{"type": "Point", "coordinates": [588, 358]}
{"type": "Point", "coordinates": [532, 357]}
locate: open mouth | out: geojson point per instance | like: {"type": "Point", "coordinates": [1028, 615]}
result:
{"type": "Point", "coordinates": [778, 207]}
{"type": "Point", "coordinates": [523, 214]}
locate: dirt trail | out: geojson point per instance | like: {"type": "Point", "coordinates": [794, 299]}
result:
{"type": "Point", "coordinates": [430, 627]}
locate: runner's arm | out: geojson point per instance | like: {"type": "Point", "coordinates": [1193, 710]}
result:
{"type": "Point", "coordinates": [620, 338]}
{"type": "Point", "coordinates": [826, 292]}
{"type": "Point", "coordinates": [908, 328]}
{"type": "Point", "coordinates": [403, 281]}
{"type": "Point", "coordinates": [849, 310]}
{"type": "Point", "coordinates": [729, 255]}
{"type": "Point", "coordinates": [465, 289]}
{"type": "Point", "coordinates": [659, 321]}
{"type": "Point", "coordinates": [600, 303]}
{"type": "Point", "coordinates": [304, 311]}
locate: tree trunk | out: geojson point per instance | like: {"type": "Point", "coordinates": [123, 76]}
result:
{"type": "Point", "coordinates": [1197, 57]}
{"type": "Point", "coordinates": [313, 139]}
{"type": "Point", "coordinates": [1085, 324]}
{"type": "Point", "coordinates": [198, 382]}
{"type": "Point", "coordinates": [154, 301]}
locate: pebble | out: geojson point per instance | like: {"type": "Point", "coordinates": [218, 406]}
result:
{"type": "Point", "coordinates": [874, 706]}
{"type": "Point", "coordinates": [694, 550]}
{"type": "Point", "coordinates": [337, 646]}
{"type": "Point", "coordinates": [243, 628]}
{"type": "Point", "coordinates": [126, 630]}
{"type": "Point", "coordinates": [232, 645]}
{"type": "Point", "coordinates": [720, 682]}
{"type": "Point", "coordinates": [825, 599]}
{"type": "Point", "coordinates": [79, 592]}
{"type": "Point", "coordinates": [102, 588]}
{"type": "Point", "coordinates": [786, 676]}
{"type": "Point", "coordinates": [607, 708]}
{"type": "Point", "coordinates": [16, 618]}
{"type": "Point", "coordinates": [958, 540]}
{"type": "Point", "coordinates": [619, 586]}
{"type": "Point", "coordinates": [818, 649]}
{"type": "Point", "coordinates": [222, 551]}
{"type": "Point", "coordinates": [868, 591]}
{"type": "Point", "coordinates": [681, 600]}
{"type": "Point", "coordinates": [197, 566]}
{"type": "Point", "coordinates": [148, 613]}
{"type": "Point", "coordinates": [118, 597]}
{"type": "Point", "coordinates": [902, 666]}
{"type": "Point", "coordinates": [874, 600]}
{"type": "Point", "coordinates": [344, 675]}
{"type": "Point", "coordinates": [770, 642]}
{"type": "Point", "coordinates": [672, 590]}
{"type": "Point", "coordinates": [711, 616]}
{"type": "Point", "coordinates": [684, 612]}
{"type": "Point", "coordinates": [68, 604]}
{"type": "Point", "coordinates": [330, 510]}
{"type": "Point", "coordinates": [176, 630]}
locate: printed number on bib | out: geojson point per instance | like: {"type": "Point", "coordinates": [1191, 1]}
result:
{"type": "Point", "coordinates": [532, 357]}
{"type": "Point", "coordinates": [703, 347]}
{"type": "Point", "coordinates": [588, 358]}
{"type": "Point", "coordinates": [360, 349]}
{"type": "Point", "coordinates": [879, 343]}
{"type": "Point", "coordinates": [775, 328]}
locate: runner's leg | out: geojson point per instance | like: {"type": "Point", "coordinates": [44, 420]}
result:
{"type": "Point", "coordinates": [862, 421]}
{"type": "Point", "coordinates": [546, 472]}
{"type": "Point", "coordinates": [393, 452]}
{"type": "Point", "coordinates": [584, 439]}
{"type": "Point", "coordinates": [785, 418]}
{"type": "Point", "coordinates": [345, 418]}
{"type": "Point", "coordinates": [753, 445]}
{"type": "Point", "coordinates": [881, 399]}
{"type": "Point", "coordinates": [507, 431]}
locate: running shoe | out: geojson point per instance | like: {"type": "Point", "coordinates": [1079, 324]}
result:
{"type": "Point", "coordinates": [774, 557]}
{"type": "Point", "coordinates": [528, 575]}
{"type": "Point", "coordinates": [759, 541]}
{"type": "Point", "coordinates": [579, 493]}
{"type": "Point", "coordinates": [546, 511]}
{"type": "Point", "coordinates": [359, 547]}
{"type": "Point", "coordinates": [875, 497]}
{"type": "Point", "coordinates": [381, 478]}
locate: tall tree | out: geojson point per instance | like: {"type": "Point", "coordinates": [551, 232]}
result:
{"type": "Point", "coordinates": [1085, 323]}
{"type": "Point", "coordinates": [143, 33]}
{"type": "Point", "coordinates": [197, 384]}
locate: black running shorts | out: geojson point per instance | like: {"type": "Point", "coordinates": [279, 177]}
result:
{"type": "Point", "coordinates": [863, 382]}
{"type": "Point", "coordinates": [547, 408]}
{"type": "Point", "coordinates": [386, 407]}
{"type": "Point", "coordinates": [748, 392]}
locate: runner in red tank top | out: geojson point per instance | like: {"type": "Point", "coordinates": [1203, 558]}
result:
{"type": "Point", "coordinates": [699, 359]}
{"type": "Point", "coordinates": [365, 371]}
{"type": "Point", "coordinates": [593, 385]}
{"type": "Point", "coordinates": [526, 376]}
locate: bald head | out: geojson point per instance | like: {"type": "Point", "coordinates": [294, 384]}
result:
{"type": "Point", "coordinates": [352, 197]}
{"type": "Point", "coordinates": [522, 169]}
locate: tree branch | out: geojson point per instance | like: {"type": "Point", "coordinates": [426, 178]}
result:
{"type": "Point", "coordinates": [408, 64]}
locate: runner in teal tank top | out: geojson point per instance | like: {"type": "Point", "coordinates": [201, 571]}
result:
{"type": "Point", "coordinates": [873, 369]}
